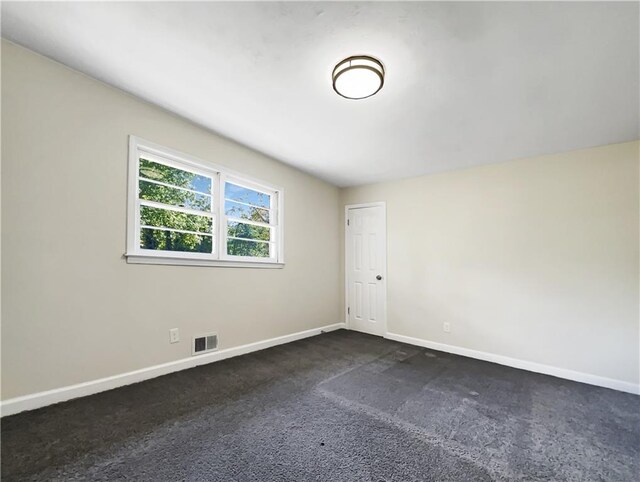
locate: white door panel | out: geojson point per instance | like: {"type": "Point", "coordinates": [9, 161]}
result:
{"type": "Point", "coordinates": [366, 269]}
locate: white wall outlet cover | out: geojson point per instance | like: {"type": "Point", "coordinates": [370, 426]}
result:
{"type": "Point", "coordinates": [174, 335]}
{"type": "Point", "coordinates": [446, 327]}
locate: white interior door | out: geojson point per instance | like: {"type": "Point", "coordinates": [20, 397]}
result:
{"type": "Point", "coordinates": [366, 262]}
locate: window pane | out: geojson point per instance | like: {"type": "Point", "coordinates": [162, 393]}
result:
{"type": "Point", "coordinates": [243, 211]}
{"type": "Point", "coordinates": [174, 197]}
{"type": "Point", "coordinates": [241, 247]}
{"type": "Point", "coordinates": [248, 231]}
{"type": "Point", "coordinates": [245, 195]}
{"type": "Point", "coordinates": [172, 241]}
{"type": "Point", "coordinates": [171, 219]}
{"type": "Point", "coordinates": [175, 177]}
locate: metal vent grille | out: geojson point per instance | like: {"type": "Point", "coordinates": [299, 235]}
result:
{"type": "Point", "coordinates": [205, 343]}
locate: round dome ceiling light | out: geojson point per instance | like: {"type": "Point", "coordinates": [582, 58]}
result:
{"type": "Point", "coordinates": [358, 77]}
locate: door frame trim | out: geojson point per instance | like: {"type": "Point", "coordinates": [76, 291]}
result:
{"type": "Point", "coordinates": [382, 204]}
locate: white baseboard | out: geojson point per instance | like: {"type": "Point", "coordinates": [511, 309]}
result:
{"type": "Point", "coordinates": [522, 364]}
{"type": "Point", "coordinates": [49, 397]}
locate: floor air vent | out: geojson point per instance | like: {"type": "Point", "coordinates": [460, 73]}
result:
{"type": "Point", "coordinates": [205, 343]}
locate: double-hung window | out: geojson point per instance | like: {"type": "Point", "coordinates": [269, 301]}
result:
{"type": "Point", "coordinates": [186, 211]}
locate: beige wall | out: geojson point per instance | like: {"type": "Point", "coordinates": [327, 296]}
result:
{"type": "Point", "coordinates": [534, 259]}
{"type": "Point", "coordinates": [73, 309]}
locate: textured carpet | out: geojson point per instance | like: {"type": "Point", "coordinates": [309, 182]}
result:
{"type": "Point", "coordinates": [341, 406]}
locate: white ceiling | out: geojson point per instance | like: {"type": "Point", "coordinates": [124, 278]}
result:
{"type": "Point", "coordinates": [467, 83]}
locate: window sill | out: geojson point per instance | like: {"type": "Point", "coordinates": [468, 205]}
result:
{"type": "Point", "coordinates": [220, 263]}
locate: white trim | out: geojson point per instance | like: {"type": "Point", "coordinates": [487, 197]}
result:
{"type": "Point", "coordinates": [174, 230]}
{"type": "Point", "coordinates": [247, 239]}
{"type": "Point", "coordinates": [249, 221]}
{"type": "Point", "coordinates": [365, 205]}
{"type": "Point", "coordinates": [247, 204]}
{"type": "Point", "coordinates": [530, 366]}
{"type": "Point", "coordinates": [276, 207]}
{"type": "Point", "coordinates": [179, 209]}
{"type": "Point", "coordinates": [152, 181]}
{"type": "Point", "coordinates": [196, 163]}
{"type": "Point", "coordinates": [166, 258]}
{"type": "Point", "coordinates": [133, 224]}
{"type": "Point", "coordinates": [179, 255]}
{"type": "Point", "coordinates": [382, 204]}
{"type": "Point", "coordinates": [218, 175]}
{"type": "Point", "coordinates": [171, 158]}
{"type": "Point", "coordinates": [49, 397]}
{"type": "Point", "coordinates": [245, 182]}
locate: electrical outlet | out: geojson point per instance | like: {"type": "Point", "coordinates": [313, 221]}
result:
{"type": "Point", "coordinates": [446, 327]}
{"type": "Point", "coordinates": [174, 335]}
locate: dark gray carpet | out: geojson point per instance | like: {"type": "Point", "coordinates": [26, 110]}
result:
{"type": "Point", "coordinates": [341, 406]}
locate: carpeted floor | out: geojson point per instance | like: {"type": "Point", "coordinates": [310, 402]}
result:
{"type": "Point", "coordinates": [342, 406]}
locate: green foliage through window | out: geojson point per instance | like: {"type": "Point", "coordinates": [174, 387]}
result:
{"type": "Point", "coordinates": [174, 176]}
{"type": "Point", "coordinates": [172, 241]}
{"type": "Point", "coordinates": [244, 203]}
{"type": "Point", "coordinates": [174, 197]}
{"type": "Point", "coordinates": [165, 218]}
{"type": "Point", "coordinates": [242, 211]}
{"type": "Point", "coordinates": [178, 211]}
{"type": "Point", "coordinates": [164, 239]}
{"type": "Point", "coordinates": [241, 247]}
{"type": "Point", "coordinates": [248, 231]}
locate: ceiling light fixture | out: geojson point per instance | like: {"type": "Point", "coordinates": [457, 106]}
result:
{"type": "Point", "coordinates": [358, 77]}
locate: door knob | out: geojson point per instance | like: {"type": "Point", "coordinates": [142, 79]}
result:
{"type": "Point", "coordinates": [379, 277]}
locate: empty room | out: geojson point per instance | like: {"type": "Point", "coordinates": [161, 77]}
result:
{"type": "Point", "coordinates": [320, 241]}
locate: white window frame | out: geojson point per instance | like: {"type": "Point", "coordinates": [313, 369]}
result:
{"type": "Point", "coordinates": [219, 175]}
